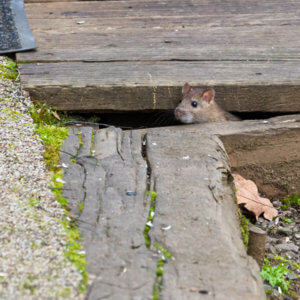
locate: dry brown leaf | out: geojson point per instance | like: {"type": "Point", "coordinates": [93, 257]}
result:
{"type": "Point", "coordinates": [247, 193]}
{"type": "Point", "coordinates": [54, 113]}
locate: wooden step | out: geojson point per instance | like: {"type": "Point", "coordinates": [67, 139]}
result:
{"type": "Point", "coordinates": [108, 175]}
{"type": "Point", "coordinates": [136, 86]}
{"type": "Point", "coordinates": [136, 55]}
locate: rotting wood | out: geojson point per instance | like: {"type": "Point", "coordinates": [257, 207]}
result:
{"type": "Point", "coordinates": [125, 86]}
{"type": "Point", "coordinates": [257, 244]}
{"type": "Point", "coordinates": [265, 151]}
{"type": "Point", "coordinates": [196, 219]}
{"type": "Point", "coordinates": [110, 220]}
{"type": "Point", "coordinates": [195, 215]}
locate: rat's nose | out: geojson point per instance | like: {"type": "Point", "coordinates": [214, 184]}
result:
{"type": "Point", "coordinates": [178, 113]}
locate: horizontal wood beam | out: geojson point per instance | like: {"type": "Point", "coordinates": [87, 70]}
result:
{"type": "Point", "coordinates": [129, 86]}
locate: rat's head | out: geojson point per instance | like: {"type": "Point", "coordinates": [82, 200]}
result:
{"type": "Point", "coordinates": [194, 103]}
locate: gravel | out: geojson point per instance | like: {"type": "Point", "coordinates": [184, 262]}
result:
{"type": "Point", "coordinates": [32, 239]}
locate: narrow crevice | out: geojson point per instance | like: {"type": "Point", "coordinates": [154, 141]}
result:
{"type": "Point", "coordinates": [100, 209]}
{"type": "Point", "coordinates": [144, 155]}
{"type": "Point", "coordinates": [77, 161]}
{"type": "Point", "coordinates": [158, 282]}
{"type": "Point", "coordinates": [163, 254]}
{"type": "Point", "coordinates": [92, 142]}
{"type": "Point", "coordinates": [55, 61]}
{"type": "Point", "coordinates": [81, 205]}
{"type": "Point", "coordinates": [128, 120]}
{"type": "Point", "coordinates": [150, 219]}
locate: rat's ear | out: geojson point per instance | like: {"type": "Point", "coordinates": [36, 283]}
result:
{"type": "Point", "coordinates": [186, 88]}
{"type": "Point", "coordinates": [208, 95]}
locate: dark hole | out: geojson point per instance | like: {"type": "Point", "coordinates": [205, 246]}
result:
{"type": "Point", "coordinates": [138, 120]}
{"type": "Point", "coordinates": [127, 120]}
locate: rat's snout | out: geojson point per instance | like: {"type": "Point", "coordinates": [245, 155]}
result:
{"type": "Point", "coordinates": [178, 113]}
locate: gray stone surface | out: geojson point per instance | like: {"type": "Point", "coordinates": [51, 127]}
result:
{"type": "Point", "coordinates": [287, 247]}
{"type": "Point", "coordinates": [195, 215]}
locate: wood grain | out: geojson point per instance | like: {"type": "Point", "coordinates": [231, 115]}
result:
{"type": "Point", "coordinates": [265, 151]}
{"type": "Point", "coordinates": [125, 86]}
{"type": "Point", "coordinates": [167, 22]}
{"type": "Point", "coordinates": [145, 8]}
{"type": "Point", "coordinates": [229, 43]}
{"type": "Point", "coordinates": [136, 55]}
{"type": "Point", "coordinates": [190, 175]}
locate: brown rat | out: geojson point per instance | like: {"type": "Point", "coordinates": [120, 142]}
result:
{"type": "Point", "coordinates": [199, 106]}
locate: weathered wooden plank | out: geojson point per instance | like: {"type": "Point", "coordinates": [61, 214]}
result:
{"type": "Point", "coordinates": [168, 22]}
{"type": "Point", "coordinates": [116, 42]}
{"type": "Point", "coordinates": [229, 43]}
{"type": "Point", "coordinates": [240, 86]}
{"type": "Point", "coordinates": [110, 220]}
{"type": "Point", "coordinates": [45, 1]}
{"type": "Point", "coordinates": [196, 219]}
{"type": "Point", "coordinates": [73, 173]}
{"type": "Point", "coordinates": [100, 9]}
{"type": "Point", "coordinates": [265, 151]}
{"type": "Point", "coordinates": [195, 213]}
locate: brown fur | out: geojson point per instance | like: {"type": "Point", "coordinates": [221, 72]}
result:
{"type": "Point", "coordinates": [206, 110]}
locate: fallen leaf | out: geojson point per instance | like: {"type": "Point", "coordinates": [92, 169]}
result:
{"type": "Point", "coordinates": [54, 113]}
{"type": "Point", "coordinates": [247, 194]}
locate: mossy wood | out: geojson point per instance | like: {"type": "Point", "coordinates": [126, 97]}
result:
{"type": "Point", "coordinates": [195, 219]}
{"type": "Point", "coordinates": [265, 151]}
{"type": "Point", "coordinates": [136, 55]}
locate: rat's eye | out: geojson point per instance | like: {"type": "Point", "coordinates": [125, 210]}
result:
{"type": "Point", "coordinates": [194, 103]}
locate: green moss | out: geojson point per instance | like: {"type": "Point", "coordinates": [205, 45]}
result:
{"type": "Point", "coordinates": [53, 137]}
{"type": "Point", "coordinates": [80, 206]}
{"type": "Point", "coordinates": [158, 282]}
{"type": "Point", "coordinates": [42, 114]}
{"type": "Point", "coordinates": [92, 142]}
{"type": "Point", "coordinates": [150, 218]}
{"type": "Point", "coordinates": [34, 246]}
{"type": "Point", "coordinates": [80, 138]}
{"type": "Point", "coordinates": [73, 160]}
{"type": "Point", "coordinates": [8, 70]}
{"type": "Point", "coordinates": [33, 202]}
{"type": "Point", "coordinates": [29, 286]}
{"type": "Point", "coordinates": [12, 114]}
{"type": "Point", "coordinates": [244, 228]}
{"type": "Point", "coordinates": [4, 99]}
{"type": "Point", "coordinates": [74, 251]}
{"type": "Point", "coordinates": [293, 200]}
{"type": "Point", "coordinates": [166, 253]}
{"type": "Point", "coordinates": [57, 186]}
{"type": "Point", "coordinates": [107, 230]}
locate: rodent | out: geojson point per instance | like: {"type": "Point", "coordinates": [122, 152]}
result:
{"type": "Point", "coordinates": [199, 106]}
